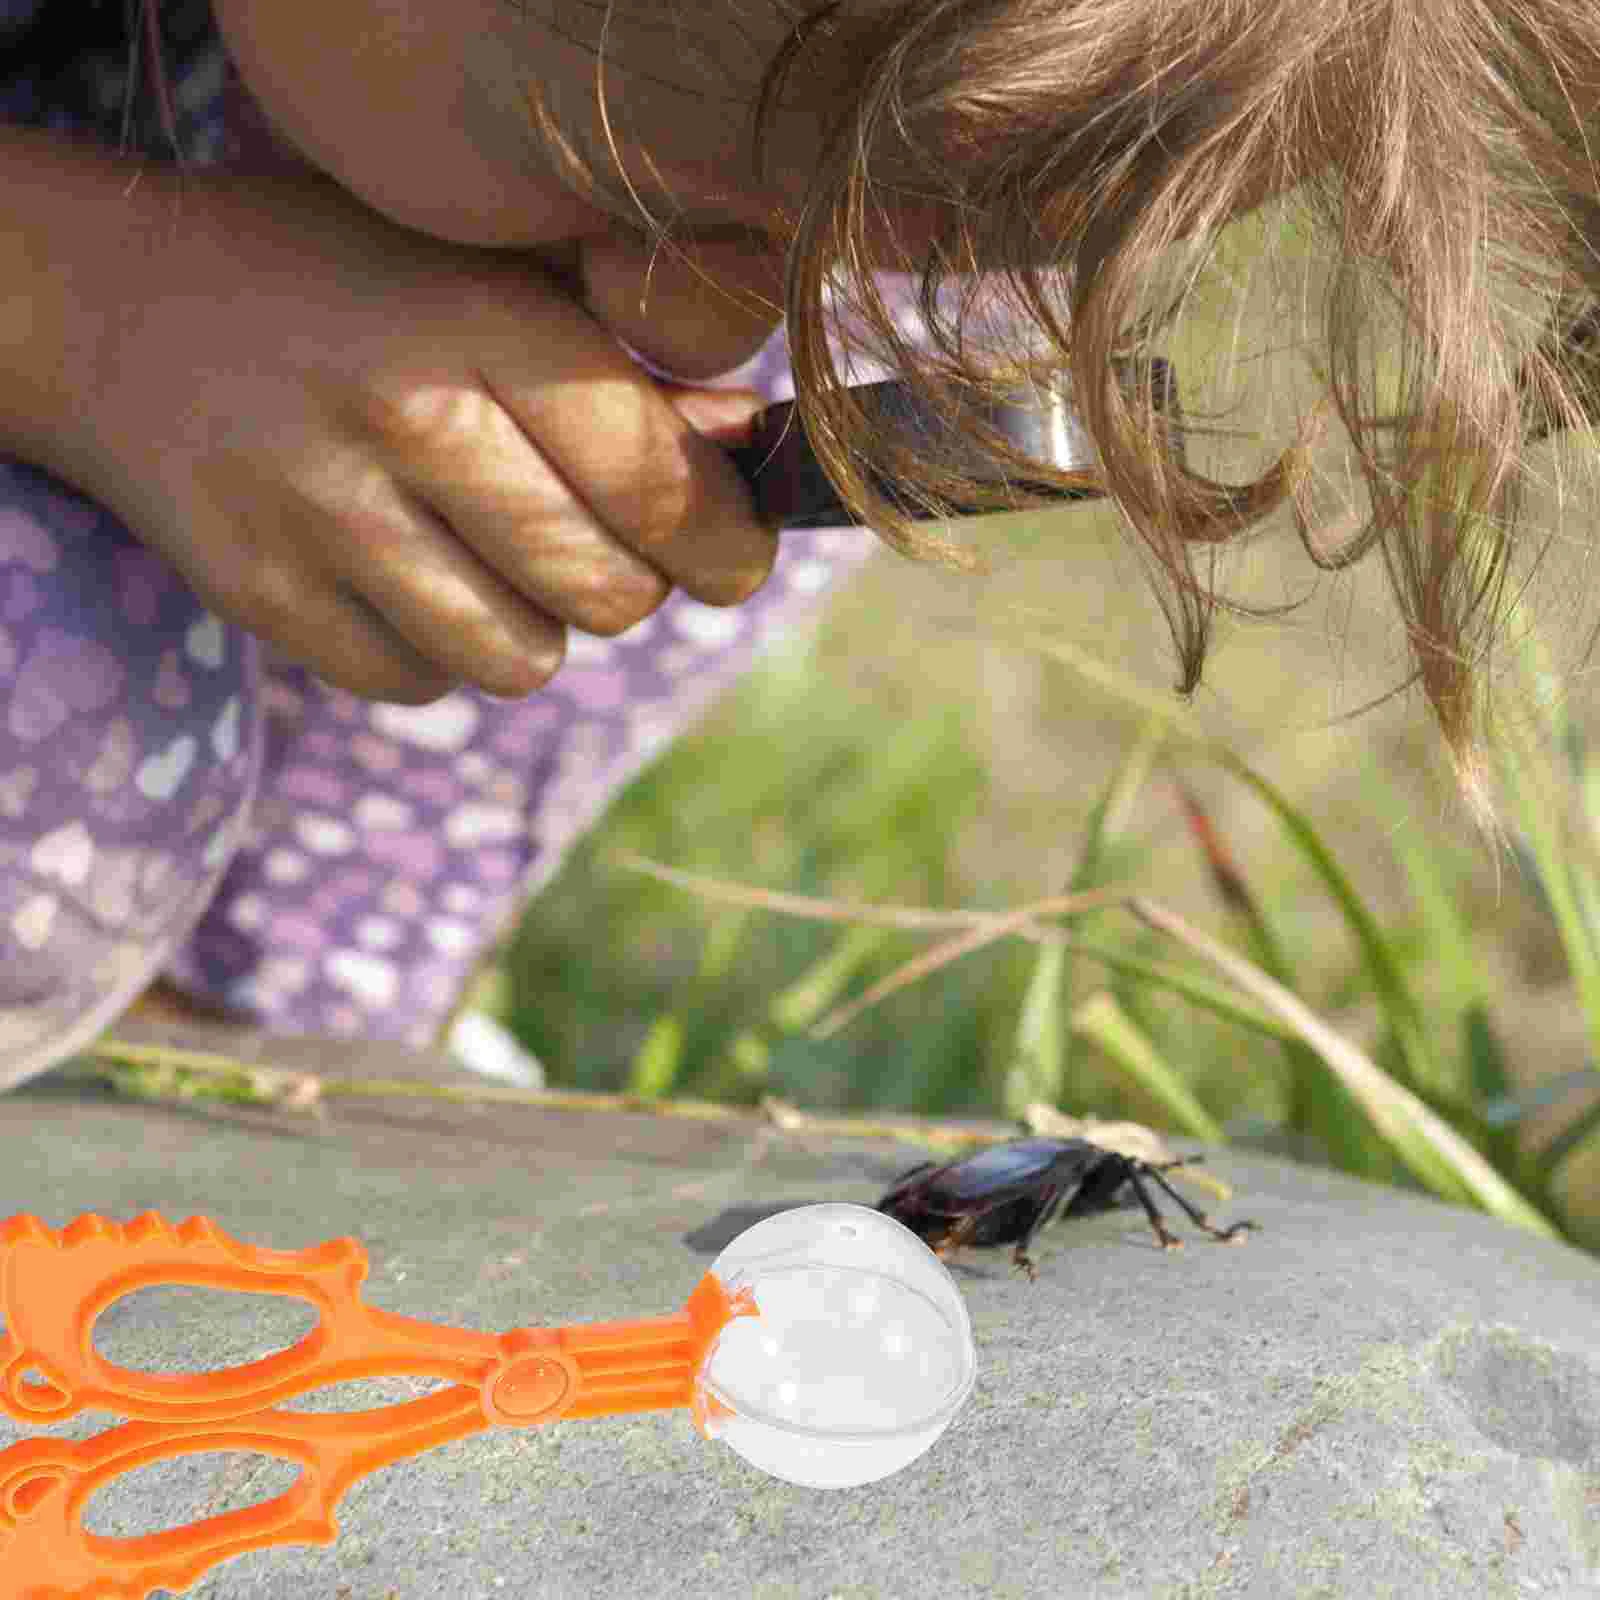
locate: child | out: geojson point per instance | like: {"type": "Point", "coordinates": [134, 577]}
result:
{"type": "Point", "coordinates": [322, 462]}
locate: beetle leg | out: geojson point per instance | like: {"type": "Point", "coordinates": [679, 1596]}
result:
{"type": "Point", "coordinates": [1048, 1207]}
{"type": "Point", "coordinates": [954, 1237]}
{"type": "Point", "coordinates": [1193, 1213]}
{"type": "Point", "coordinates": [1164, 1235]}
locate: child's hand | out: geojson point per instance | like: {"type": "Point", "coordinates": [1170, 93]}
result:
{"type": "Point", "coordinates": [408, 465]}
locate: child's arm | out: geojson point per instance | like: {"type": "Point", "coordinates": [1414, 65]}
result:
{"type": "Point", "coordinates": [406, 463]}
{"type": "Point", "coordinates": [62, 201]}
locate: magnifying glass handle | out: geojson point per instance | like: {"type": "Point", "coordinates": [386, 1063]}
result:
{"type": "Point", "coordinates": [792, 490]}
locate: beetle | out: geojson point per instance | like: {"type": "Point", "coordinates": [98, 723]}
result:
{"type": "Point", "coordinates": [1007, 1193]}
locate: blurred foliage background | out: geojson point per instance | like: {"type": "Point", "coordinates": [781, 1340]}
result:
{"type": "Point", "coordinates": [947, 741]}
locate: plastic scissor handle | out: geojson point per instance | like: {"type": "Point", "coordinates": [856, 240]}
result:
{"type": "Point", "coordinates": [53, 1286]}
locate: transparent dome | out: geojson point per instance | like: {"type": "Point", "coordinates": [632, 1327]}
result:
{"type": "Point", "coordinates": [860, 1358]}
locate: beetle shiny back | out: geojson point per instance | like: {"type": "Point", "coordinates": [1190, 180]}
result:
{"type": "Point", "coordinates": [1006, 1193]}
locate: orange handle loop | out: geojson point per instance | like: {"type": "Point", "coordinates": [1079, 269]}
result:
{"type": "Point", "coordinates": [45, 1486]}
{"type": "Point", "coordinates": [53, 1286]}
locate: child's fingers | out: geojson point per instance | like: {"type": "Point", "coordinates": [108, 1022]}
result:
{"type": "Point", "coordinates": [350, 573]}
{"type": "Point", "coordinates": [332, 629]}
{"type": "Point", "coordinates": [696, 308]}
{"type": "Point", "coordinates": [361, 650]}
{"type": "Point", "coordinates": [464, 456]}
{"type": "Point", "coordinates": [549, 550]}
{"type": "Point", "coordinates": [651, 482]}
{"type": "Point", "coordinates": [434, 593]}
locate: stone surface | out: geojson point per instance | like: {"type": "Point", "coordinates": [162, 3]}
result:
{"type": "Point", "coordinates": [1374, 1396]}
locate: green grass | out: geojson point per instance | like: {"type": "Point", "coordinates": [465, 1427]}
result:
{"type": "Point", "coordinates": [616, 980]}
{"type": "Point", "coordinates": [1379, 1054]}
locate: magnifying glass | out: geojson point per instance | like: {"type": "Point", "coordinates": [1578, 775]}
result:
{"type": "Point", "coordinates": [1037, 418]}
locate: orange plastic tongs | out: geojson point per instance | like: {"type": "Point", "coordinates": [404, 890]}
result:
{"type": "Point", "coordinates": [53, 1285]}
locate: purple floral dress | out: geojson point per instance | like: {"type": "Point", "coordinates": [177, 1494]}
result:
{"type": "Point", "coordinates": [173, 801]}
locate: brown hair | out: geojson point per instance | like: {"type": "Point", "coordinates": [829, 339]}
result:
{"type": "Point", "coordinates": [1443, 146]}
